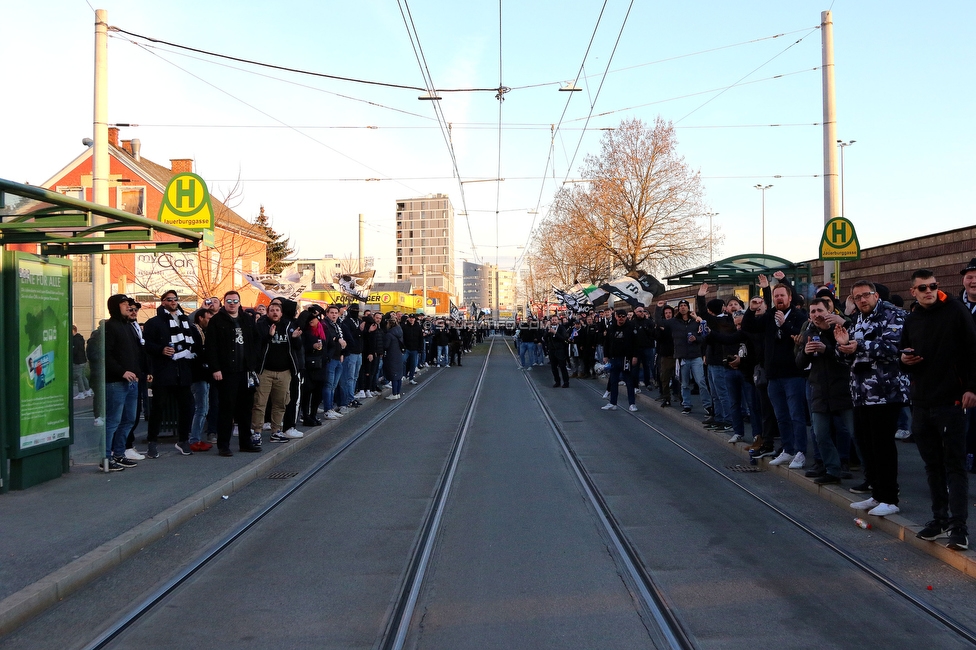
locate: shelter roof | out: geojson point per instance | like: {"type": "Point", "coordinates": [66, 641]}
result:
{"type": "Point", "coordinates": [740, 269]}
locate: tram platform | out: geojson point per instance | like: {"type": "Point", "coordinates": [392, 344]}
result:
{"type": "Point", "coordinates": [58, 536]}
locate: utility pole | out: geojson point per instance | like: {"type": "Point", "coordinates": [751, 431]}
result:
{"type": "Point", "coordinates": [763, 188]}
{"type": "Point", "coordinates": [829, 133]}
{"type": "Point", "coordinates": [100, 164]}
{"type": "Point", "coordinates": [361, 258]}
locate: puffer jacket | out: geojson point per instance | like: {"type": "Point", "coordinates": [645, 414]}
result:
{"type": "Point", "coordinates": [875, 374]}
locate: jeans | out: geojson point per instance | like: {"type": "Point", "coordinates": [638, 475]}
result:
{"type": "Point", "coordinates": [694, 368]}
{"type": "Point", "coordinates": [411, 357]}
{"type": "Point", "coordinates": [333, 373]}
{"type": "Point", "coordinates": [788, 397]}
{"type": "Point", "coordinates": [443, 353]}
{"type": "Point", "coordinates": [201, 406]}
{"type": "Point", "coordinates": [737, 387]}
{"type": "Point", "coordinates": [843, 422]}
{"type": "Point", "coordinates": [718, 386]}
{"type": "Point", "coordinates": [616, 369]}
{"type": "Point", "coordinates": [78, 377]}
{"type": "Point", "coordinates": [540, 354]}
{"type": "Point", "coordinates": [120, 414]}
{"type": "Point", "coordinates": [940, 433]}
{"type": "Point", "coordinates": [351, 364]}
{"type": "Point", "coordinates": [525, 350]}
{"type": "Point", "coordinates": [645, 366]}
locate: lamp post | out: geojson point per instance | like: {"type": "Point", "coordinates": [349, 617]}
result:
{"type": "Point", "coordinates": [843, 145]}
{"type": "Point", "coordinates": [710, 215]}
{"type": "Point", "coordinates": [763, 189]}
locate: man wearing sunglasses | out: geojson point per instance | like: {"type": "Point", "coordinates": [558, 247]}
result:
{"type": "Point", "coordinates": [938, 346]}
{"type": "Point", "coordinates": [230, 353]}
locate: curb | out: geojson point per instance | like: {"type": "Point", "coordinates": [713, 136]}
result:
{"type": "Point", "coordinates": [897, 526]}
{"type": "Point", "coordinates": [17, 608]}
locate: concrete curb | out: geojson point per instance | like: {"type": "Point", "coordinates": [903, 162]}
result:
{"type": "Point", "coordinates": [897, 526]}
{"type": "Point", "coordinates": [19, 607]}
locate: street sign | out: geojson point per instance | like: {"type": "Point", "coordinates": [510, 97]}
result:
{"type": "Point", "coordinates": [186, 203]}
{"type": "Point", "coordinates": [839, 241]}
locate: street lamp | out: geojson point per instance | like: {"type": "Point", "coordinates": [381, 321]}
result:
{"type": "Point", "coordinates": [710, 215]}
{"type": "Point", "coordinates": [843, 145]}
{"type": "Point", "coordinates": [763, 189]}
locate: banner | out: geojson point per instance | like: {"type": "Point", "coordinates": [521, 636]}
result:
{"type": "Point", "coordinates": [356, 285]}
{"type": "Point", "coordinates": [43, 349]}
{"type": "Point", "coordinates": [635, 292]}
{"type": "Point", "coordinates": [455, 312]}
{"type": "Point", "coordinates": [289, 284]}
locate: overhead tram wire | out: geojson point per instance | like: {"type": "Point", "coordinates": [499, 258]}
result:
{"type": "Point", "coordinates": [498, 178]}
{"type": "Point", "coordinates": [438, 112]}
{"type": "Point", "coordinates": [268, 115]}
{"type": "Point", "coordinates": [596, 98]}
{"type": "Point", "coordinates": [555, 129]}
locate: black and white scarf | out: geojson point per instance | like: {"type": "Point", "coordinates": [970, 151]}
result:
{"type": "Point", "coordinates": [180, 338]}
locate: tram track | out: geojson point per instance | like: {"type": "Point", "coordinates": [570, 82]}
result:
{"type": "Point", "coordinates": [839, 550]}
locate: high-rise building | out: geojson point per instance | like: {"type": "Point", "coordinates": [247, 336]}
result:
{"type": "Point", "coordinates": [425, 242]}
{"type": "Point", "coordinates": [481, 281]}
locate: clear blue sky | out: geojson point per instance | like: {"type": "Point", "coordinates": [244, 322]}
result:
{"type": "Point", "coordinates": [905, 93]}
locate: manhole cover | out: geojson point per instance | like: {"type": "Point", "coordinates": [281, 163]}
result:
{"type": "Point", "coordinates": [744, 468]}
{"type": "Point", "coordinates": [282, 474]}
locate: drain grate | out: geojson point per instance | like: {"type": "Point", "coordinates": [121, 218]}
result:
{"type": "Point", "coordinates": [282, 475]}
{"type": "Point", "coordinates": [746, 469]}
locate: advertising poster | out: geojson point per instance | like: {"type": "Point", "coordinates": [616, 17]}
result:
{"type": "Point", "coordinates": [44, 378]}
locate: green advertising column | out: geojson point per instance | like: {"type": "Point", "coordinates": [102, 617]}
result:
{"type": "Point", "coordinates": [36, 367]}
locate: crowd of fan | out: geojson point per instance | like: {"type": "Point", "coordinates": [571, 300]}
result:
{"type": "Point", "coordinates": [863, 371]}
{"type": "Point", "coordinates": [224, 371]}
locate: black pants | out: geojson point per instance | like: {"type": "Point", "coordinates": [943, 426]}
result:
{"type": "Point", "coordinates": [311, 397]}
{"type": "Point", "coordinates": [182, 397]}
{"type": "Point", "coordinates": [940, 434]}
{"type": "Point", "coordinates": [236, 402]}
{"type": "Point", "coordinates": [558, 366]}
{"type": "Point", "coordinates": [294, 403]}
{"type": "Point", "coordinates": [874, 429]}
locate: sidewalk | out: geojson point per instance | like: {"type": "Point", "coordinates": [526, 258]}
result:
{"type": "Point", "coordinates": [914, 499]}
{"type": "Point", "coordinates": [58, 536]}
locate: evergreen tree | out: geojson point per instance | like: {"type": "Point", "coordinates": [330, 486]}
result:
{"type": "Point", "coordinates": [278, 248]}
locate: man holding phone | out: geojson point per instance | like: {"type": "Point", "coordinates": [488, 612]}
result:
{"type": "Point", "coordinates": [938, 348]}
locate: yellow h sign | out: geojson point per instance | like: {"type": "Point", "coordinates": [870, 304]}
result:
{"type": "Point", "coordinates": [839, 241]}
{"type": "Point", "coordinates": [186, 203]}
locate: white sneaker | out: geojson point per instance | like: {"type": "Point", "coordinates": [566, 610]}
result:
{"type": "Point", "coordinates": [736, 438]}
{"type": "Point", "coordinates": [867, 504]}
{"type": "Point", "coordinates": [782, 459]}
{"type": "Point", "coordinates": [798, 461]}
{"type": "Point", "coordinates": [337, 412]}
{"type": "Point", "coordinates": [609, 407]}
{"type": "Point", "coordinates": [343, 410]}
{"type": "Point", "coordinates": [883, 510]}
{"type": "Point", "coordinates": [293, 433]}
{"type": "Point", "coordinates": [413, 382]}
{"type": "Point", "coordinates": [80, 396]}
{"type": "Point", "coordinates": [637, 390]}
{"type": "Point", "coordinates": [375, 393]}
{"type": "Point", "coordinates": [391, 396]}
{"type": "Point", "coordinates": [606, 395]}
{"type": "Point", "coordinates": [235, 431]}
{"type": "Point", "coordinates": [132, 454]}
{"type": "Point", "coordinates": [90, 393]}
{"type": "Point", "coordinates": [332, 415]}
{"type": "Point", "coordinates": [360, 395]}
{"type": "Point", "coordinates": [266, 426]}
{"type": "Point", "coordinates": [632, 408]}
{"type": "Point", "coordinates": [902, 434]}
{"type": "Point", "coordinates": [99, 422]}
{"type": "Point", "coordinates": [399, 395]}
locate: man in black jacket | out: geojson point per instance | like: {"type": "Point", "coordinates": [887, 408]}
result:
{"type": "Point", "coordinates": [123, 370]}
{"type": "Point", "coordinates": [620, 354]}
{"type": "Point", "coordinates": [172, 342]}
{"type": "Point", "coordinates": [555, 339]}
{"type": "Point", "coordinates": [644, 345]}
{"type": "Point", "coordinates": [230, 354]}
{"type": "Point", "coordinates": [413, 341]}
{"type": "Point", "coordinates": [938, 346]}
{"type": "Point", "coordinates": [279, 345]}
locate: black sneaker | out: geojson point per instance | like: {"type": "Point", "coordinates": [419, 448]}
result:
{"type": "Point", "coordinates": [816, 471]}
{"type": "Point", "coordinates": [764, 453]}
{"type": "Point", "coordinates": [862, 488]}
{"type": "Point", "coordinates": [277, 437]}
{"type": "Point", "coordinates": [933, 531]}
{"type": "Point", "coordinates": [153, 450]}
{"type": "Point", "coordinates": [709, 420]}
{"type": "Point", "coordinates": [184, 448]}
{"type": "Point", "coordinates": [124, 462]}
{"type": "Point", "coordinates": [113, 466]}
{"type": "Point", "coordinates": [665, 403]}
{"type": "Point", "coordinates": [958, 538]}
{"type": "Point", "coordinates": [686, 410]}
{"type": "Point", "coordinates": [826, 479]}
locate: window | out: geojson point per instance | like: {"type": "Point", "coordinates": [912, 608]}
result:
{"type": "Point", "coordinates": [132, 199]}
{"type": "Point", "coordinates": [74, 191]}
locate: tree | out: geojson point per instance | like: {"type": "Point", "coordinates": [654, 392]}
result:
{"type": "Point", "coordinates": [278, 248]}
{"type": "Point", "coordinates": [639, 208]}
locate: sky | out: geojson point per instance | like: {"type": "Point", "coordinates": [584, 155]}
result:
{"type": "Point", "coordinates": [304, 146]}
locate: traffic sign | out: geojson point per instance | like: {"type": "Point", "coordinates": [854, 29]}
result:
{"type": "Point", "coordinates": [839, 241]}
{"type": "Point", "coordinates": [186, 203]}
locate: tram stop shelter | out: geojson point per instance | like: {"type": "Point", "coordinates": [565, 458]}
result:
{"type": "Point", "coordinates": [39, 229]}
{"type": "Point", "coordinates": [742, 272]}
